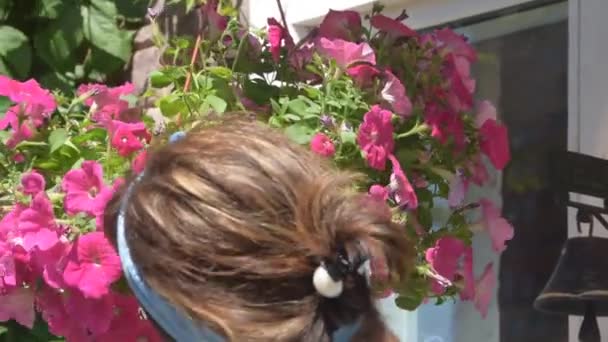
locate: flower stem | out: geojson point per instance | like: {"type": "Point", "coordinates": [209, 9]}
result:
{"type": "Point", "coordinates": [419, 128]}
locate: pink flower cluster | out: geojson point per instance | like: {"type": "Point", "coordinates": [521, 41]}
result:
{"type": "Point", "coordinates": [32, 106]}
{"type": "Point", "coordinates": [443, 106]}
{"type": "Point", "coordinates": [109, 109]}
{"type": "Point", "coordinates": [43, 266]}
{"type": "Point", "coordinates": [49, 264]}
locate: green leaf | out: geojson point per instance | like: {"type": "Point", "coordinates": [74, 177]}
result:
{"type": "Point", "coordinates": [51, 9]}
{"type": "Point", "coordinates": [159, 80]}
{"type": "Point", "coordinates": [220, 71]}
{"type": "Point", "coordinates": [259, 91]}
{"type": "Point", "coordinates": [57, 138]}
{"type": "Point", "coordinates": [299, 133]}
{"type": "Point", "coordinates": [15, 52]}
{"type": "Point", "coordinates": [95, 134]}
{"type": "Point", "coordinates": [56, 42]}
{"type": "Point", "coordinates": [5, 103]}
{"type": "Point", "coordinates": [409, 303]}
{"type": "Point", "coordinates": [298, 106]}
{"type": "Point", "coordinates": [171, 105]}
{"type": "Point", "coordinates": [218, 104]}
{"type": "Point", "coordinates": [107, 7]}
{"type": "Point", "coordinates": [101, 31]}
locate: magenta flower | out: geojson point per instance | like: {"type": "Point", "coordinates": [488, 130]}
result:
{"type": "Point", "coordinates": [363, 74]}
{"type": "Point", "coordinates": [375, 137]}
{"type": "Point", "coordinates": [37, 225]}
{"type": "Point", "coordinates": [52, 306]}
{"type": "Point", "coordinates": [402, 189]}
{"type": "Point", "coordinates": [394, 93]}
{"type": "Point", "coordinates": [478, 172]}
{"type": "Point", "coordinates": [484, 290]}
{"type": "Point", "coordinates": [108, 101]}
{"type": "Point", "coordinates": [85, 189]}
{"type": "Point", "coordinates": [494, 143]}
{"type": "Point", "coordinates": [92, 265]}
{"type": "Point", "coordinates": [127, 324]}
{"type": "Point", "coordinates": [322, 145]}
{"type": "Point", "coordinates": [378, 192]}
{"type": "Point", "coordinates": [444, 258]}
{"type": "Point", "coordinates": [8, 276]}
{"type": "Point", "coordinates": [9, 223]}
{"type": "Point", "coordinates": [345, 53]}
{"type": "Point", "coordinates": [446, 126]}
{"type": "Point", "coordinates": [452, 42]}
{"type": "Point", "coordinates": [128, 137]}
{"type": "Point", "coordinates": [213, 23]}
{"type": "Point", "coordinates": [500, 229]}
{"type": "Point", "coordinates": [32, 183]}
{"type": "Point", "coordinates": [21, 130]}
{"type": "Point", "coordinates": [485, 111]}
{"type": "Point", "coordinates": [52, 263]}
{"type": "Point", "coordinates": [104, 198]}
{"type": "Point", "coordinates": [277, 36]}
{"type": "Point", "coordinates": [345, 25]}
{"type": "Point", "coordinates": [18, 304]}
{"type": "Point", "coordinates": [461, 85]}
{"type": "Point", "coordinates": [392, 27]}
{"type": "Point", "coordinates": [33, 102]}
{"type": "Point", "coordinates": [139, 162]}
{"type": "Point", "coordinates": [94, 315]}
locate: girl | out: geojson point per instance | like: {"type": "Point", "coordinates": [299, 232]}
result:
{"type": "Point", "coordinates": [233, 233]}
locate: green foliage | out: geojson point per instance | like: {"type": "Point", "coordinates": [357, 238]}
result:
{"type": "Point", "coordinates": [63, 43]}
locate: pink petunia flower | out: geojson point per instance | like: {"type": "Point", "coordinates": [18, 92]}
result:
{"type": "Point", "coordinates": [392, 27]}
{"type": "Point", "coordinates": [485, 111]}
{"type": "Point", "coordinates": [484, 290]}
{"type": "Point", "coordinates": [85, 189]}
{"type": "Point", "coordinates": [21, 128]}
{"type": "Point", "coordinates": [375, 137]}
{"type": "Point", "coordinates": [378, 192]}
{"type": "Point", "coordinates": [494, 143]}
{"type": "Point", "coordinates": [8, 276]}
{"type": "Point", "coordinates": [394, 93]}
{"type": "Point", "coordinates": [452, 42]}
{"type": "Point", "coordinates": [94, 315]}
{"type": "Point", "coordinates": [127, 324]}
{"type": "Point", "coordinates": [499, 228]}
{"type": "Point", "coordinates": [92, 266]}
{"type": "Point", "coordinates": [345, 25]}
{"type": "Point", "coordinates": [402, 189]}
{"type": "Point", "coordinates": [139, 162]}
{"type": "Point", "coordinates": [213, 23]}
{"type": "Point", "coordinates": [345, 53]}
{"type": "Point", "coordinates": [35, 103]}
{"type": "Point", "coordinates": [461, 86]}
{"type": "Point", "coordinates": [363, 74]}
{"type": "Point", "coordinates": [446, 126]}
{"type": "Point", "coordinates": [108, 101]}
{"type": "Point", "coordinates": [51, 262]}
{"type": "Point", "coordinates": [322, 145]}
{"type": "Point", "coordinates": [277, 37]}
{"type": "Point", "coordinates": [37, 225]}
{"type": "Point", "coordinates": [18, 304]}
{"type": "Point", "coordinates": [32, 183]}
{"type": "Point", "coordinates": [478, 172]}
{"type": "Point", "coordinates": [128, 137]}
{"type": "Point", "coordinates": [444, 258]}
{"type": "Point", "coordinates": [52, 306]}
{"type": "Point", "coordinates": [9, 223]}
{"type": "Point", "coordinates": [104, 199]}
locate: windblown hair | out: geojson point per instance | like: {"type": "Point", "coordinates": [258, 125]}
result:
{"type": "Point", "coordinates": [229, 224]}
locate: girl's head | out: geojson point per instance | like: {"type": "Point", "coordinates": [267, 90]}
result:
{"type": "Point", "coordinates": [230, 223]}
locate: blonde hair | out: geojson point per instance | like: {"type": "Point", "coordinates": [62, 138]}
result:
{"type": "Point", "coordinates": [230, 223]}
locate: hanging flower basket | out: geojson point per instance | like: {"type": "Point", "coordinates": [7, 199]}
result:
{"type": "Point", "coordinates": [371, 95]}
